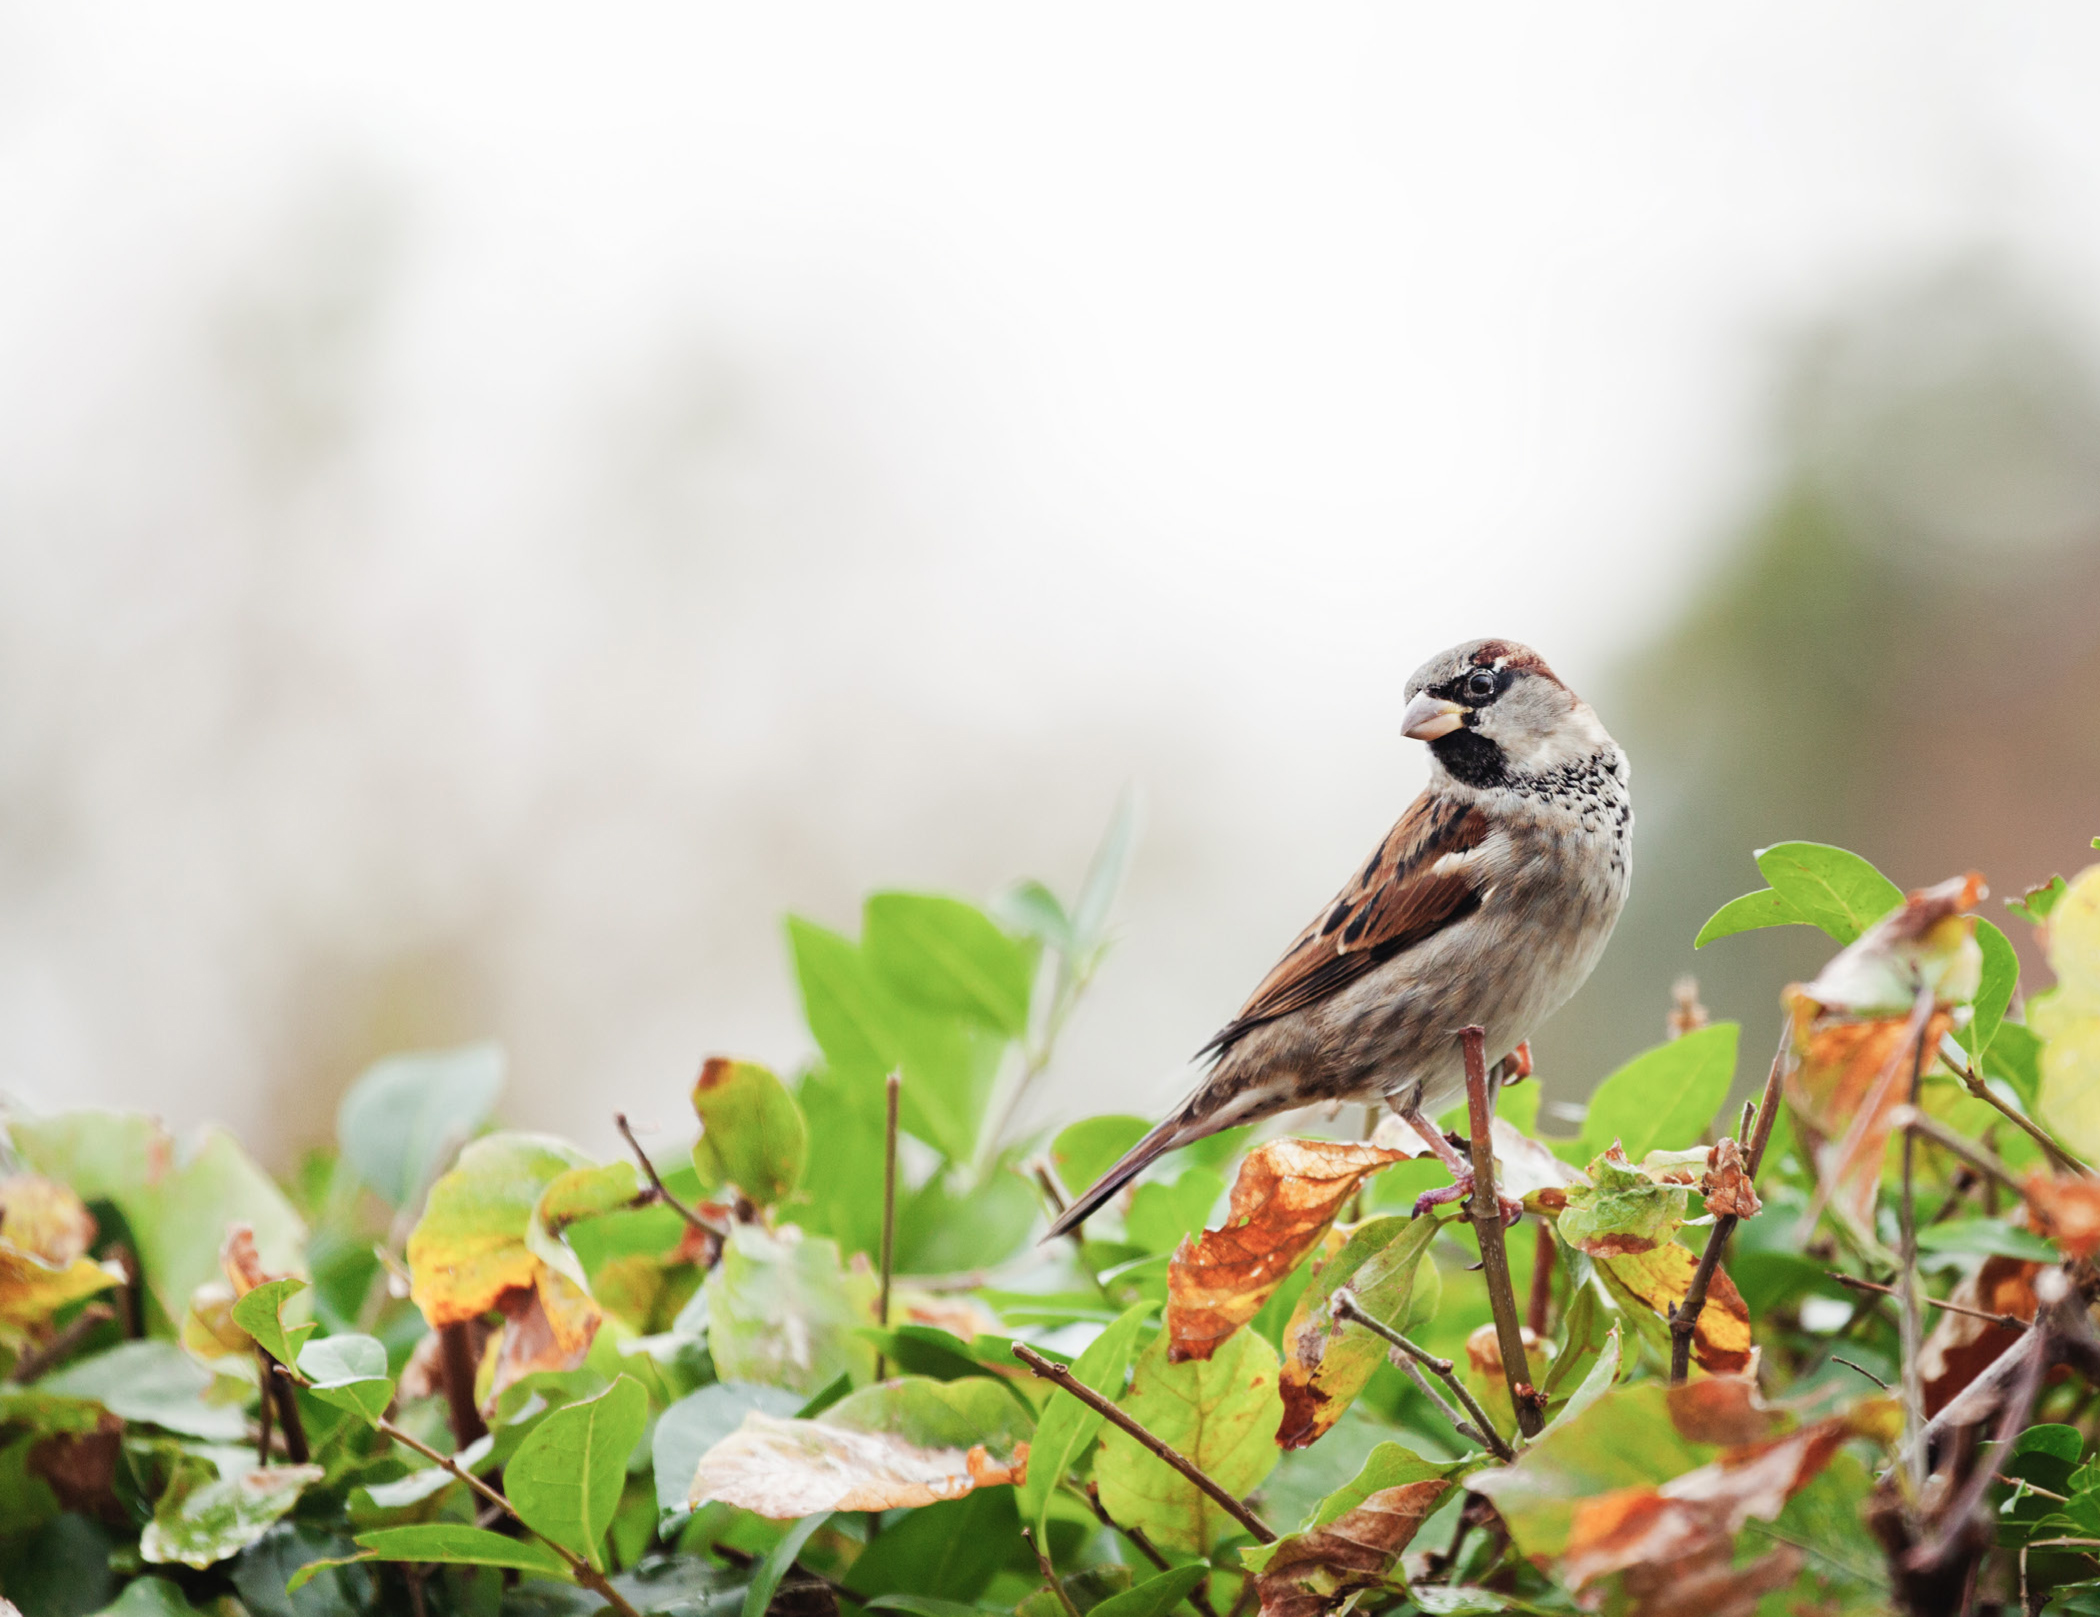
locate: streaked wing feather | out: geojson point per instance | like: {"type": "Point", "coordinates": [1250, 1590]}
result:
{"type": "Point", "coordinates": [1417, 883]}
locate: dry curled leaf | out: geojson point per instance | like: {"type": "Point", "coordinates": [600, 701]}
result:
{"type": "Point", "coordinates": [893, 1446]}
{"type": "Point", "coordinates": [1727, 1186]}
{"type": "Point", "coordinates": [2067, 1210]}
{"type": "Point", "coordinates": [547, 1326]}
{"type": "Point", "coordinates": [1312, 1572]}
{"type": "Point", "coordinates": [1846, 1077]}
{"type": "Point", "coordinates": [1961, 1346]}
{"type": "Point", "coordinates": [45, 1231]}
{"type": "Point", "coordinates": [1288, 1192]}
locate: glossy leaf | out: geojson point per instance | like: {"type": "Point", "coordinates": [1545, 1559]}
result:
{"type": "Point", "coordinates": [566, 1478]}
{"type": "Point", "coordinates": [752, 1134]}
{"type": "Point", "coordinates": [349, 1371]}
{"type": "Point", "coordinates": [1664, 1098]}
{"type": "Point", "coordinates": [407, 1116]}
{"type": "Point", "coordinates": [1834, 889]}
{"type": "Point", "coordinates": [1354, 1540]}
{"type": "Point", "coordinates": [261, 1314]}
{"type": "Point", "coordinates": [1220, 1412]}
{"type": "Point", "coordinates": [1753, 912]}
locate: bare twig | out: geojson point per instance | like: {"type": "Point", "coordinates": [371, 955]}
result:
{"type": "Point", "coordinates": [38, 1361]}
{"type": "Point", "coordinates": [1487, 1226]}
{"type": "Point", "coordinates": [1957, 1525]}
{"type": "Point", "coordinates": [656, 1184]}
{"type": "Point", "coordinates": [2012, 1322]}
{"type": "Point", "coordinates": [277, 1383]}
{"type": "Point", "coordinates": [267, 1405]}
{"type": "Point", "coordinates": [1684, 1318]}
{"type": "Point", "coordinates": [456, 1371]}
{"type": "Point", "coordinates": [1482, 1428]}
{"type": "Point", "coordinates": [1057, 1587]}
{"type": "Point", "coordinates": [1912, 1317]}
{"type": "Point", "coordinates": [1060, 1376]}
{"type": "Point", "coordinates": [1199, 1597]}
{"type": "Point", "coordinates": [1973, 1152]}
{"type": "Point", "coordinates": [1540, 1303]}
{"type": "Point", "coordinates": [1957, 1058]}
{"type": "Point", "coordinates": [1839, 1358]}
{"type": "Point", "coordinates": [893, 1084]}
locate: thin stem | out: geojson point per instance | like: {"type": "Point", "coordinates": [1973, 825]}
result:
{"type": "Point", "coordinates": [456, 1371]}
{"type": "Point", "coordinates": [1912, 1318]}
{"type": "Point", "coordinates": [1839, 1358]}
{"type": "Point", "coordinates": [1684, 1318]}
{"type": "Point", "coordinates": [1060, 1376]}
{"type": "Point", "coordinates": [1347, 1307]}
{"type": "Point", "coordinates": [1487, 1226]}
{"type": "Point", "coordinates": [1199, 1597]}
{"type": "Point", "coordinates": [579, 1568]}
{"type": "Point", "coordinates": [38, 1361]}
{"type": "Point", "coordinates": [1973, 1152]}
{"type": "Point", "coordinates": [1541, 1301]}
{"type": "Point", "coordinates": [889, 1207]}
{"type": "Point", "coordinates": [1958, 1058]}
{"type": "Point", "coordinates": [1057, 1587]}
{"type": "Point", "coordinates": [277, 1383]}
{"type": "Point", "coordinates": [268, 1402]}
{"type": "Point", "coordinates": [2011, 1322]}
{"type": "Point", "coordinates": [656, 1184]}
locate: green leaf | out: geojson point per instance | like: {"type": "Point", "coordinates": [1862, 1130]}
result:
{"type": "Point", "coordinates": [2001, 975]}
{"type": "Point", "coordinates": [151, 1597]}
{"type": "Point", "coordinates": [204, 1518]}
{"type": "Point", "coordinates": [1583, 1333]}
{"type": "Point", "coordinates": [784, 1311]}
{"type": "Point", "coordinates": [693, 1425]}
{"type": "Point", "coordinates": [154, 1382]}
{"type": "Point", "coordinates": [1985, 1237]}
{"type": "Point", "coordinates": [470, 1247]}
{"type": "Point", "coordinates": [1155, 1596]}
{"type": "Point", "coordinates": [926, 1606]}
{"type": "Point", "coordinates": [1325, 1365]}
{"type": "Point", "coordinates": [948, 956]}
{"type": "Point", "coordinates": [765, 1578]}
{"type": "Point", "coordinates": [1066, 1429]}
{"type": "Point", "coordinates": [1221, 1413]}
{"type": "Point", "coordinates": [1597, 1382]}
{"type": "Point", "coordinates": [1663, 1098]}
{"type": "Point", "coordinates": [846, 1008]}
{"type": "Point", "coordinates": [566, 1478]}
{"type": "Point", "coordinates": [1031, 909]}
{"type": "Point", "coordinates": [1751, 913]}
{"type": "Point", "coordinates": [261, 1314]}
{"type": "Point", "coordinates": [1621, 1211]}
{"type": "Point", "coordinates": [1389, 1465]}
{"type": "Point", "coordinates": [457, 1544]}
{"type": "Point", "coordinates": [349, 1371]}
{"type": "Point", "coordinates": [1161, 1213]}
{"type": "Point", "coordinates": [752, 1134]}
{"type": "Point", "coordinates": [950, 1551]}
{"type": "Point", "coordinates": [1088, 1149]}
{"type": "Point", "coordinates": [2034, 905]}
{"type": "Point", "coordinates": [1087, 1589]}
{"type": "Point", "coordinates": [404, 1119]}
{"type": "Point", "coordinates": [177, 1196]}
{"type": "Point", "coordinates": [2014, 1057]}
{"type": "Point", "coordinates": [1836, 890]}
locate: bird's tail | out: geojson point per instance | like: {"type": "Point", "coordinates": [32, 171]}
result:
{"type": "Point", "coordinates": [1175, 1131]}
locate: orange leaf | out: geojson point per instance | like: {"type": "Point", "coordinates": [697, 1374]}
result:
{"type": "Point", "coordinates": [2066, 1210]}
{"type": "Point", "coordinates": [44, 1220]}
{"type": "Point", "coordinates": [1847, 1076]}
{"type": "Point", "coordinates": [1312, 1571]}
{"type": "Point", "coordinates": [1659, 1278]}
{"type": "Point", "coordinates": [1962, 1346]}
{"type": "Point", "coordinates": [1727, 1186]}
{"type": "Point", "coordinates": [1286, 1195]}
{"type": "Point", "coordinates": [546, 1326]}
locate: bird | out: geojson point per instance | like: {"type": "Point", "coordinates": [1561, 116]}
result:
{"type": "Point", "coordinates": [1488, 904]}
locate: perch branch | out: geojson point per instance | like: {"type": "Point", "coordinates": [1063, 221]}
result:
{"type": "Point", "coordinates": [656, 1184]}
{"type": "Point", "coordinates": [1482, 1429]}
{"type": "Point", "coordinates": [1487, 1226]}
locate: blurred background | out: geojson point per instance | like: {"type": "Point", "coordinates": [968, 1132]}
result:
{"type": "Point", "coordinates": [498, 504]}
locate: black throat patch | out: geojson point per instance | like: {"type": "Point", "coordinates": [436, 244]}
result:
{"type": "Point", "coordinates": [1471, 758]}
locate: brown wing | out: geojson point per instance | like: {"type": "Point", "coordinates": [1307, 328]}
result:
{"type": "Point", "coordinates": [1398, 899]}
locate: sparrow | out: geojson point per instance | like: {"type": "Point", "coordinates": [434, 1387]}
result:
{"type": "Point", "coordinates": [1488, 903]}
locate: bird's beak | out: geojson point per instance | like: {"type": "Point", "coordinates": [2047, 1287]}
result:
{"type": "Point", "coordinates": [1428, 717]}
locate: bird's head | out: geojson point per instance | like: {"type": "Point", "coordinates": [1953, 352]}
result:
{"type": "Point", "coordinates": [1491, 709]}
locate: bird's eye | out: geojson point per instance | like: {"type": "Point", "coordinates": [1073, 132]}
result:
{"type": "Point", "coordinates": [1480, 683]}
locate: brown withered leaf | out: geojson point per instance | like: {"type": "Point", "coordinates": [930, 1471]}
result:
{"type": "Point", "coordinates": [2067, 1210]}
{"type": "Point", "coordinates": [1727, 1186]}
{"type": "Point", "coordinates": [546, 1326]}
{"type": "Point", "coordinates": [1313, 1571]}
{"type": "Point", "coordinates": [1288, 1192]}
{"type": "Point", "coordinates": [1847, 1076]}
{"type": "Point", "coordinates": [44, 1219]}
{"type": "Point", "coordinates": [1658, 1279]}
{"type": "Point", "coordinates": [1675, 1543]}
{"type": "Point", "coordinates": [1961, 1347]}
{"type": "Point", "coordinates": [81, 1469]}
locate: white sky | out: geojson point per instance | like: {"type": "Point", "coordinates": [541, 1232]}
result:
{"type": "Point", "coordinates": [1110, 393]}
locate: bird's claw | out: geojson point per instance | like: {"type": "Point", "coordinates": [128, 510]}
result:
{"type": "Point", "coordinates": [1461, 1189]}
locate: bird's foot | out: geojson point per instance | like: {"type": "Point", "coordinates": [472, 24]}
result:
{"type": "Point", "coordinates": [1516, 1066]}
{"type": "Point", "coordinates": [1461, 1189]}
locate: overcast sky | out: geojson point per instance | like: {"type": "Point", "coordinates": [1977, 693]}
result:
{"type": "Point", "coordinates": [513, 498]}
